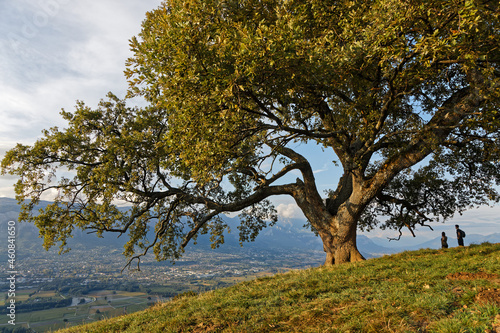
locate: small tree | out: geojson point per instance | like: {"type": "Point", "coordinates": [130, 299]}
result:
{"type": "Point", "coordinates": [404, 95]}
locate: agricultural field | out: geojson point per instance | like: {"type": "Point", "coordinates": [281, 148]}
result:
{"type": "Point", "coordinates": [96, 306]}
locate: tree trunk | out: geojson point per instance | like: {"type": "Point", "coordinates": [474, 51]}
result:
{"type": "Point", "coordinates": [337, 231]}
{"type": "Point", "coordinates": [335, 222]}
{"type": "Point", "coordinates": [341, 247]}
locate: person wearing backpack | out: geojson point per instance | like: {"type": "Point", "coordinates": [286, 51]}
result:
{"type": "Point", "coordinates": [460, 235]}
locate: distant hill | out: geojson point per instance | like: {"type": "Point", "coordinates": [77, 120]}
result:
{"type": "Point", "coordinates": [407, 292]}
{"type": "Point", "coordinates": [9, 210]}
{"type": "Point", "coordinates": [436, 243]}
{"type": "Point", "coordinates": [469, 239]}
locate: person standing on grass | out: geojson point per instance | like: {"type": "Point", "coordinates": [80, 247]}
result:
{"type": "Point", "coordinates": [460, 235]}
{"type": "Point", "coordinates": [444, 241]}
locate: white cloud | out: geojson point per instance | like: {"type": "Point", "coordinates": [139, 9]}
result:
{"type": "Point", "coordinates": [54, 52]}
{"type": "Point", "coordinates": [483, 220]}
{"type": "Point", "coordinates": [323, 169]}
{"type": "Point", "coordinates": [290, 210]}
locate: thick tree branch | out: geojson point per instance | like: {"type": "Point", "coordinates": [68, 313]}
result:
{"type": "Point", "coordinates": [455, 108]}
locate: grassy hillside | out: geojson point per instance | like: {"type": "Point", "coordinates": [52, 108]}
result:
{"type": "Point", "coordinates": [453, 290]}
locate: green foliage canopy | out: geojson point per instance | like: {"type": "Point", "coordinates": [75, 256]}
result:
{"type": "Point", "coordinates": [232, 85]}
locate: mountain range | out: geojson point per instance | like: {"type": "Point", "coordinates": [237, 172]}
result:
{"type": "Point", "coordinates": [287, 234]}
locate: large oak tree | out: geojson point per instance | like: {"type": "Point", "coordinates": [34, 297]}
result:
{"type": "Point", "coordinates": [404, 95]}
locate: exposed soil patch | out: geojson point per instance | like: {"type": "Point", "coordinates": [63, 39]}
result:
{"type": "Point", "coordinates": [472, 276]}
{"type": "Point", "coordinates": [202, 327]}
{"type": "Point", "coordinates": [489, 296]}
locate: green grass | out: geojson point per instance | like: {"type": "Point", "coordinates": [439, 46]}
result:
{"type": "Point", "coordinates": [407, 292]}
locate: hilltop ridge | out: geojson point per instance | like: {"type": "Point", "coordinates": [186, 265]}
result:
{"type": "Point", "coordinates": [452, 290]}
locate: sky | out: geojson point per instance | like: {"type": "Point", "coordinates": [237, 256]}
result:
{"type": "Point", "coordinates": [55, 52]}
